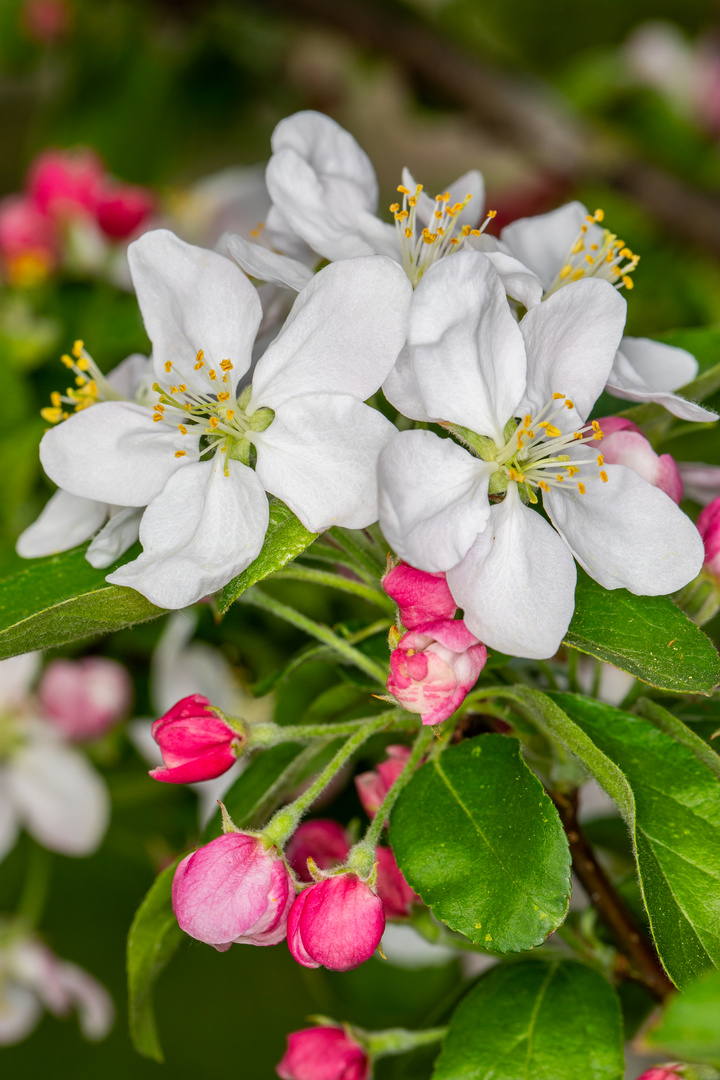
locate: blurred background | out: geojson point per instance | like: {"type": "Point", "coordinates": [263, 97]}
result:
{"type": "Point", "coordinates": [170, 107]}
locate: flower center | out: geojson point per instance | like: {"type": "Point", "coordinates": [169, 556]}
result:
{"type": "Point", "coordinates": [420, 246]}
{"type": "Point", "coordinates": [219, 419]}
{"type": "Point", "coordinates": [90, 387]}
{"type": "Point", "coordinates": [535, 453]}
{"type": "Point", "coordinates": [596, 252]}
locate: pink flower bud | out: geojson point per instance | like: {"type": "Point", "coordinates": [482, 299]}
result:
{"type": "Point", "coordinates": [397, 896]}
{"type": "Point", "coordinates": [624, 444]}
{"type": "Point", "coordinates": [372, 787]}
{"type": "Point", "coordinates": [195, 743]}
{"type": "Point", "coordinates": [122, 208]}
{"type": "Point", "coordinates": [323, 1053]}
{"type": "Point", "coordinates": [709, 528]}
{"type": "Point", "coordinates": [27, 240]}
{"type": "Point", "coordinates": [324, 841]}
{"type": "Point", "coordinates": [233, 890]}
{"type": "Point", "coordinates": [64, 183]}
{"type": "Point", "coordinates": [84, 698]}
{"type": "Point", "coordinates": [661, 1072]}
{"type": "Point", "coordinates": [434, 668]}
{"type": "Point", "coordinates": [337, 922]}
{"type": "Point", "coordinates": [421, 597]}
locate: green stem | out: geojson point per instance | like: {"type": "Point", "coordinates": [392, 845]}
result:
{"type": "Point", "coordinates": [399, 1041]}
{"type": "Point", "coordinates": [283, 824]}
{"type": "Point", "coordinates": [336, 581]}
{"type": "Point", "coordinates": [266, 735]}
{"type": "Point", "coordinates": [362, 855]}
{"type": "Point", "coordinates": [372, 570]}
{"type": "Point", "coordinates": [34, 894]}
{"type": "Point", "coordinates": [256, 598]}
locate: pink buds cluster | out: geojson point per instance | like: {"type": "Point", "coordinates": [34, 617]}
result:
{"type": "Point", "coordinates": [436, 663]}
{"type": "Point", "coordinates": [324, 1053]}
{"type": "Point", "coordinates": [195, 742]}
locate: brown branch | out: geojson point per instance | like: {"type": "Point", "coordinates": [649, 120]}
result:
{"type": "Point", "coordinates": [644, 965]}
{"type": "Point", "coordinates": [520, 111]}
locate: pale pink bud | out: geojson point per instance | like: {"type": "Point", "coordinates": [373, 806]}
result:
{"type": "Point", "coordinates": [121, 209]}
{"type": "Point", "coordinates": [233, 890]}
{"type": "Point", "coordinates": [434, 668]}
{"type": "Point", "coordinates": [624, 444]}
{"type": "Point", "coordinates": [709, 528]}
{"type": "Point", "coordinates": [372, 787]}
{"type": "Point", "coordinates": [421, 597]}
{"type": "Point", "coordinates": [323, 1053]}
{"type": "Point", "coordinates": [337, 922]}
{"type": "Point", "coordinates": [84, 698]}
{"type": "Point", "coordinates": [397, 896]}
{"type": "Point", "coordinates": [64, 183]}
{"type": "Point", "coordinates": [661, 1072]}
{"type": "Point", "coordinates": [324, 841]}
{"type": "Point", "coordinates": [195, 743]}
{"type": "Point", "coordinates": [27, 238]}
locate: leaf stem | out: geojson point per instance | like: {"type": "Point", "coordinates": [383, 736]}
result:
{"type": "Point", "coordinates": [372, 570]}
{"type": "Point", "coordinates": [35, 888]}
{"type": "Point", "coordinates": [281, 827]}
{"type": "Point", "coordinates": [266, 735]}
{"type": "Point", "coordinates": [256, 598]}
{"type": "Point", "coordinates": [374, 595]}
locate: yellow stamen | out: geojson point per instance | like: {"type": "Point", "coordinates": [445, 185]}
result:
{"type": "Point", "coordinates": [603, 476]}
{"type": "Point", "coordinates": [180, 453]}
{"type": "Point", "coordinates": [168, 366]}
{"type": "Point", "coordinates": [78, 348]}
{"type": "Point", "coordinates": [581, 488]}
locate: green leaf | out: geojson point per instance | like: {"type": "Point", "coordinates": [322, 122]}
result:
{"type": "Point", "coordinates": [670, 724]}
{"type": "Point", "coordinates": [690, 1026]}
{"type": "Point", "coordinates": [544, 1019]}
{"type": "Point", "coordinates": [286, 538]}
{"type": "Point", "coordinates": [478, 838]}
{"type": "Point", "coordinates": [671, 803]}
{"type": "Point", "coordinates": [153, 939]}
{"type": "Point", "coordinates": [647, 636]}
{"type": "Point", "coordinates": [63, 598]}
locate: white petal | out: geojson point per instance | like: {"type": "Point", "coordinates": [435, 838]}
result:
{"type": "Point", "coordinates": [628, 534]}
{"type": "Point", "coordinates": [645, 370]}
{"type": "Point", "coordinates": [96, 1011]}
{"type": "Point", "coordinates": [17, 674]}
{"type": "Point", "coordinates": [465, 346]}
{"type": "Point", "coordinates": [113, 452]}
{"type": "Point", "coordinates": [543, 242]}
{"type": "Point", "coordinates": [180, 668]}
{"type": "Point", "coordinates": [519, 283]}
{"type": "Point", "coordinates": [265, 265]}
{"type": "Point", "coordinates": [322, 183]}
{"type": "Point", "coordinates": [571, 341]}
{"type": "Point", "coordinates": [63, 802]}
{"type": "Point", "coordinates": [320, 455]}
{"type": "Point", "coordinates": [202, 530]}
{"type": "Point", "coordinates": [342, 336]}
{"type": "Point", "coordinates": [129, 374]}
{"type": "Point", "coordinates": [119, 534]}
{"type": "Point", "coordinates": [8, 825]}
{"type": "Point", "coordinates": [433, 499]}
{"type": "Point", "coordinates": [20, 1011]}
{"type": "Point", "coordinates": [401, 388]}
{"type": "Point", "coordinates": [65, 521]}
{"type": "Point", "coordinates": [516, 585]}
{"type": "Point", "coordinates": [192, 299]}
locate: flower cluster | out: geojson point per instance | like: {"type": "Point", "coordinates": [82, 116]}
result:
{"type": "Point", "coordinates": [71, 212]}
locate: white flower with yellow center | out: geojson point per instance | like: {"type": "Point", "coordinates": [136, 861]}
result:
{"type": "Point", "coordinates": [518, 396]}
{"type": "Point", "coordinates": [569, 244]}
{"type": "Point", "coordinates": [202, 458]}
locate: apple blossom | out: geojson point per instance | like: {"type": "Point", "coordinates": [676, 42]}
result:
{"type": "Point", "coordinates": [324, 841]}
{"type": "Point", "coordinates": [434, 667]}
{"type": "Point", "coordinates": [336, 923]}
{"type": "Point", "coordinates": [420, 597]}
{"type": "Point", "coordinates": [324, 1053]}
{"type": "Point", "coordinates": [188, 459]}
{"type": "Point", "coordinates": [372, 787]}
{"type": "Point", "coordinates": [474, 368]}
{"type": "Point", "coordinates": [196, 743]}
{"type": "Point", "coordinates": [623, 443]}
{"type": "Point", "coordinates": [234, 890]}
{"type": "Point", "coordinates": [84, 698]}
{"type": "Point", "coordinates": [33, 978]}
{"type": "Point", "coordinates": [46, 786]}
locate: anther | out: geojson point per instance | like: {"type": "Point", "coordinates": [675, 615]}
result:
{"type": "Point", "coordinates": [168, 366]}
{"type": "Point", "coordinates": [78, 348]}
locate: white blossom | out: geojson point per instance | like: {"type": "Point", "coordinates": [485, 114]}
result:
{"type": "Point", "coordinates": [519, 396]}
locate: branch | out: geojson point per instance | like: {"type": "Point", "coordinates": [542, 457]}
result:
{"type": "Point", "coordinates": [645, 966]}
